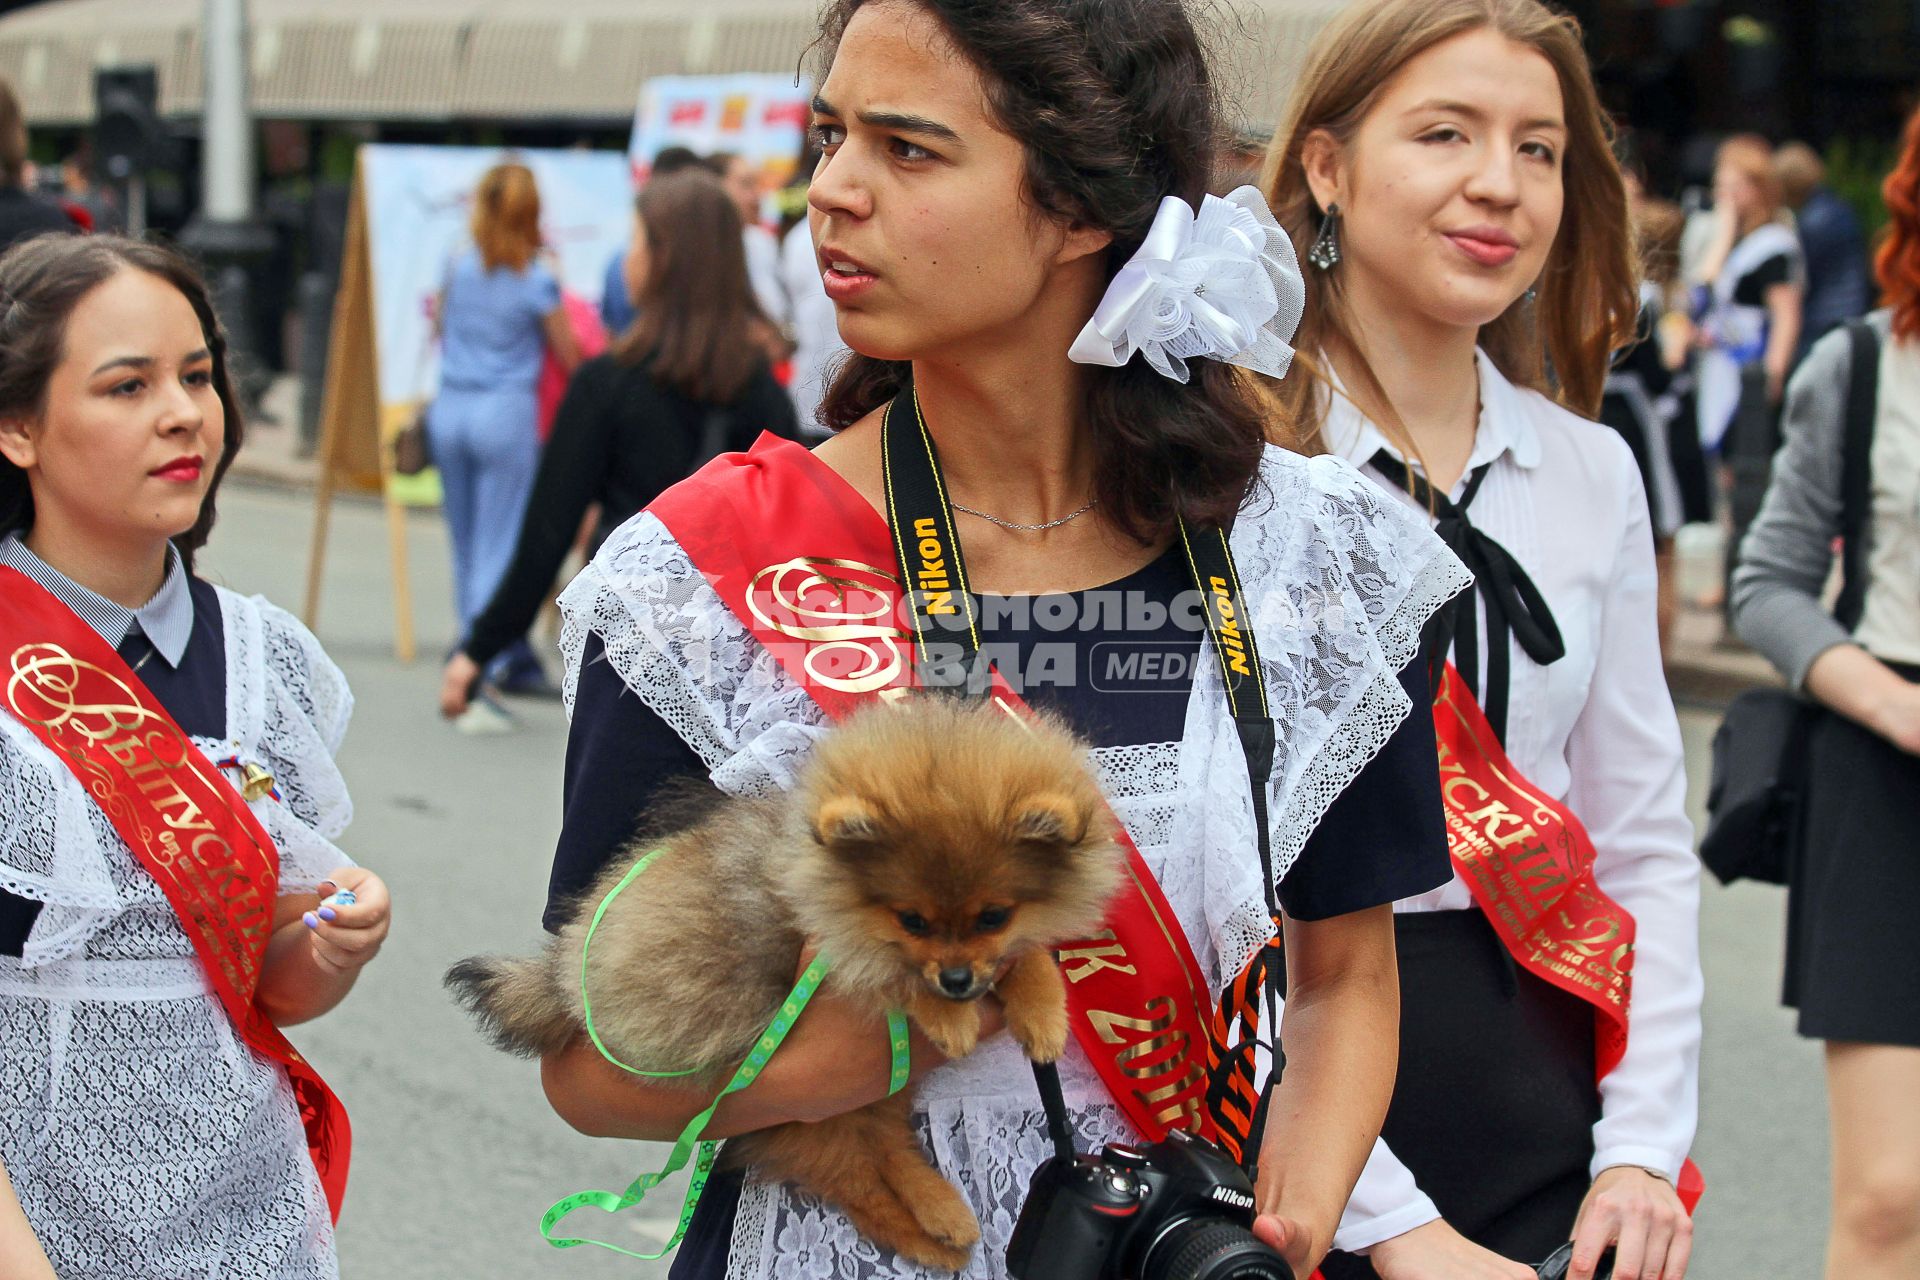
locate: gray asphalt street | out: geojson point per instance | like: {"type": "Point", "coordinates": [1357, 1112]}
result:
{"type": "Point", "coordinates": [456, 1155]}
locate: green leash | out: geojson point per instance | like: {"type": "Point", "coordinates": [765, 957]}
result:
{"type": "Point", "coordinates": [690, 1145]}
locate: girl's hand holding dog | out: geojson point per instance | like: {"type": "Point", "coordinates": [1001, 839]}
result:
{"type": "Point", "coordinates": [321, 942]}
{"type": "Point", "coordinates": [839, 1058]}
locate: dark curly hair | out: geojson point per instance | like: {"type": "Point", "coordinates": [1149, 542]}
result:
{"type": "Point", "coordinates": [42, 280]}
{"type": "Point", "coordinates": [1115, 107]}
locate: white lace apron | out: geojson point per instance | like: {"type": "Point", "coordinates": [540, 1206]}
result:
{"type": "Point", "coordinates": [1339, 583]}
{"type": "Point", "coordinates": [145, 1140]}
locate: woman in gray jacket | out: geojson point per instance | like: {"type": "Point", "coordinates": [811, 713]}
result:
{"type": "Point", "coordinates": [1853, 952]}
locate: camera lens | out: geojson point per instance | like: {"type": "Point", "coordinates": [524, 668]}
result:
{"type": "Point", "coordinates": [1209, 1249]}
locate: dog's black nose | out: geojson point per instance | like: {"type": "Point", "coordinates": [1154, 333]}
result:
{"type": "Point", "coordinates": [956, 982]}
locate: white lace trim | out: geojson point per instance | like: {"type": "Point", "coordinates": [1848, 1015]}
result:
{"type": "Point", "coordinates": [141, 1134]}
{"type": "Point", "coordinates": [1339, 584]}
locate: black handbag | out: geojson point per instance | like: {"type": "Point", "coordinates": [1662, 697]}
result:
{"type": "Point", "coordinates": [1761, 771]}
{"type": "Point", "coordinates": [411, 452]}
{"type": "Point", "coordinates": [1758, 783]}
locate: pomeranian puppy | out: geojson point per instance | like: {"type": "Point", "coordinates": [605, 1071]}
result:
{"type": "Point", "coordinates": [935, 850]}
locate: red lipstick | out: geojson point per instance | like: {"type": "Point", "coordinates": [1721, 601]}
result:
{"type": "Point", "coordinates": [180, 471]}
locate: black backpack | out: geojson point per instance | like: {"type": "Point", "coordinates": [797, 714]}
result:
{"type": "Point", "coordinates": [1757, 791]}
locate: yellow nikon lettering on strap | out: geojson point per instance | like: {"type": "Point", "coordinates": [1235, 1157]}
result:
{"type": "Point", "coordinates": [931, 578]}
{"type": "Point", "coordinates": [1236, 648]}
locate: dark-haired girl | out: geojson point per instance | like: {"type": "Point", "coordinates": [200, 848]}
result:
{"type": "Point", "coordinates": [1004, 183]}
{"type": "Point", "coordinates": [689, 380]}
{"type": "Point", "coordinates": [169, 891]}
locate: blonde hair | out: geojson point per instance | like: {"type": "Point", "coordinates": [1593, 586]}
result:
{"type": "Point", "coordinates": [1587, 300]}
{"type": "Point", "coordinates": [506, 217]}
{"type": "Point", "coordinates": [1799, 169]}
{"type": "Point", "coordinates": [1751, 156]}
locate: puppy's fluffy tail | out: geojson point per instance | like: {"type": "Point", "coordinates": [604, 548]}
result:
{"type": "Point", "coordinates": [519, 1005]}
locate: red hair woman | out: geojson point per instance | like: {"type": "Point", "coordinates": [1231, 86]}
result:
{"type": "Point", "coordinates": [1853, 960]}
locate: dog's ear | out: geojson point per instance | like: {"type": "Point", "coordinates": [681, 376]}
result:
{"type": "Point", "coordinates": [846, 825]}
{"type": "Point", "coordinates": [1050, 818]}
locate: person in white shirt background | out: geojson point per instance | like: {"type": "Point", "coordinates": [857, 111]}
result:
{"type": "Point", "coordinates": [763, 247]}
{"type": "Point", "coordinates": [812, 325]}
{"type": "Point", "coordinates": [1445, 168]}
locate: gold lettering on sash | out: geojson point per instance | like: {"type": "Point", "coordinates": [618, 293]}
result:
{"type": "Point", "coordinates": [1102, 951]}
{"type": "Point", "coordinates": [1492, 816]}
{"type": "Point", "coordinates": [1163, 1061]}
{"type": "Point", "coordinates": [1540, 872]}
{"type": "Point", "coordinates": [852, 647]}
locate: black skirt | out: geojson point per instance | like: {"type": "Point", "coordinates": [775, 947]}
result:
{"type": "Point", "coordinates": [1853, 954]}
{"type": "Point", "coordinates": [1494, 1107]}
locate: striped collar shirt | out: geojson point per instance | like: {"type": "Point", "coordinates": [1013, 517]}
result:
{"type": "Point", "coordinates": [166, 620]}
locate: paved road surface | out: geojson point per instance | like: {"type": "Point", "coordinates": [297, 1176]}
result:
{"type": "Point", "coordinates": [456, 1154]}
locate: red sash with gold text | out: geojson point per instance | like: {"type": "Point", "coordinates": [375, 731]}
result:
{"type": "Point", "coordinates": [800, 558]}
{"type": "Point", "coordinates": [181, 817]}
{"type": "Point", "coordinates": [1529, 863]}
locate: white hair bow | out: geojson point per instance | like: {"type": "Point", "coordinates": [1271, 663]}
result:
{"type": "Point", "coordinates": [1222, 284]}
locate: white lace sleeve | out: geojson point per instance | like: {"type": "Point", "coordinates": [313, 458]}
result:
{"type": "Point", "coordinates": [675, 643]}
{"type": "Point", "coordinates": [1340, 583]}
{"type": "Point", "coordinates": [51, 846]}
{"type": "Point", "coordinates": [289, 704]}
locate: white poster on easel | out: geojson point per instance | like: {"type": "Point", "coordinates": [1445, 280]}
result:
{"type": "Point", "coordinates": [409, 216]}
{"type": "Point", "coordinates": [419, 202]}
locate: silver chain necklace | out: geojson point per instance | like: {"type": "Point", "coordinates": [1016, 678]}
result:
{"type": "Point", "coordinates": [1017, 527]}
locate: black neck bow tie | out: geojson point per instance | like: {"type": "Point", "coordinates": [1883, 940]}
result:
{"type": "Point", "coordinates": [1515, 608]}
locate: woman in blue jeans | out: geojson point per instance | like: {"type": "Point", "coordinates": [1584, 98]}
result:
{"type": "Point", "coordinates": [499, 311]}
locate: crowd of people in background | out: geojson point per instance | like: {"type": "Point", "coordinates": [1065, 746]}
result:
{"type": "Point", "coordinates": [717, 328]}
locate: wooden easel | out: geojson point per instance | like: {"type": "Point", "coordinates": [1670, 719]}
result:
{"type": "Point", "coordinates": [354, 452]}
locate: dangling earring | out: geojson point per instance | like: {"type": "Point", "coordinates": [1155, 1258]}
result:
{"type": "Point", "coordinates": [1324, 252]}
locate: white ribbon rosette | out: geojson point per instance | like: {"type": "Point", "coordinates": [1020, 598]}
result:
{"type": "Point", "coordinates": [1220, 284]}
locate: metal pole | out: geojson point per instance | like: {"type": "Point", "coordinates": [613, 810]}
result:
{"type": "Point", "coordinates": [136, 188]}
{"type": "Point", "coordinates": [228, 164]}
{"type": "Point", "coordinates": [225, 233]}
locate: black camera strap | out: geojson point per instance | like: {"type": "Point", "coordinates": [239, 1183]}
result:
{"type": "Point", "coordinates": [947, 645]}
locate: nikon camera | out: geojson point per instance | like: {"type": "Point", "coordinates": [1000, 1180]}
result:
{"type": "Point", "coordinates": [1177, 1210]}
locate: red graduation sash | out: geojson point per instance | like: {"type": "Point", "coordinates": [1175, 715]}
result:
{"type": "Point", "coordinates": [800, 558]}
{"type": "Point", "coordinates": [1529, 863]}
{"type": "Point", "coordinates": [181, 817]}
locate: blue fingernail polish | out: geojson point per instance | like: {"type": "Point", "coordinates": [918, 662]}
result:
{"type": "Point", "coordinates": [345, 898]}
{"type": "Point", "coordinates": [328, 913]}
{"type": "Point", "coordinates": [312, 921]}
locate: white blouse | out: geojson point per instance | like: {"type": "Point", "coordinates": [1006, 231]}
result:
{"type": "Point", "coordinates": [1595, 730]}
{"type": "Point", "coordinates": [1890, 619]}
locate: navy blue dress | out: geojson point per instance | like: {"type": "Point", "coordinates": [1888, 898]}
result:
{"type": "Point", "coordinates": [1382, 839]}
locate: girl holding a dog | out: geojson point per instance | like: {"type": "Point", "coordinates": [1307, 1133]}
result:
{"type": "Point", "coordinates": [1012, 219]}
{"type": "Point", "coordinates": [170, 895]}
{"type": "Point", "coordinates": [1445, 169]}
